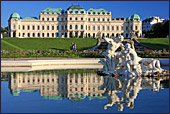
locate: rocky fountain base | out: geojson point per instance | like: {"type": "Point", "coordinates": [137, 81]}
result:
{"type": "Point", "coordinates": [126, 62]}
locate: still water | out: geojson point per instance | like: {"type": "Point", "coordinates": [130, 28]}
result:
{"type": "Point", "coordinates": [81, 91]}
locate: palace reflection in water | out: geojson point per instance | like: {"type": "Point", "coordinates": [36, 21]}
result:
{"type": "Point", "coordinates": [120, 91]}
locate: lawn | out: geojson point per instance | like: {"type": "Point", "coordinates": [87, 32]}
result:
{"type": "Point", "coordinates": [157, 43]}
{"type": "Point", "coordinates": [46, 43]}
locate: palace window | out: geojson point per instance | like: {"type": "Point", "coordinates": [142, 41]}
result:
{"type": "Point", "coordinates": [81, 18]}
{"type": "Point", "coordinates": [89, 19]}
{"type": "Point", "coordinates": [126, 27]}
{"type": "Point", "coordinates": [93, 19]}
{"type": "Point", "coordinates": [48, 27]}
{"type": "Point", "coordinates": [93, 27]}
{"type": "Point", "coordinates": [19, 27]}
{"type": "Point", "coordinates": [76, 27]}
{"type": "Point", "coordinates": [42, 34]}
{"type": "Point", "coordinates": [42, 19]}
{"type": "Point", "coordinates": [103, 19]}
{"type": "Point", "coordinates": [33, 27]}
{"type": "Point", "coordinates": [65, 27]}
{"type": "Point", "coordinates": [47, 34]}
{"type": "Point", "coordinates": [28, 27]}
{"type": "Point", "coordinates": [98, 19]}
{"type": "Point", "coordinates": [70, 18]}
{"type": "Point", "coordinates": [62, 19]}
{"type": "Point", "coordinates": [38, 27]}
{"type": "Point", "coordinates": [65, 19]}
{"type": "Point", "coordinates": [89, 27]}
{"type": "Point", "coordinates": [57, 27]}
{"type": "Point", "coordinates": [53, 36]}
{"type": "Point", "coordinates": [103, 28]}
{"type": "Point", "coordinates": [23, 27]}
{"type": "Point", "coordinates": [108, 19]}
{"type": "Point", "coordinates": [19, 34]}
{"type": "Point", "coordinates": [70, 26]}
{"type": "Point", "coordinates": [76, 18]}
{"type": "Point", "coordinates": [38, 34]}
{"type": "Point", "coordinates": [122, 27]}
{"type": "Point", "coordinates": [86, 27]}
{"type": "Point", "coordinates": [52, 27]}
{"type": "Point", "coordinates": [117, 27]}
{"type": "Point", "coordinates": [136, 27]}
{"type": "Point", "coordinates": [98, 27]}
{"type": "Point", "coordinates": [52, 19]}
{"type": "Point", "coordinates": [33, 34]}
{"type": "Point", "coordinates": [131, 27]}
{"type": "Point", "coordinates": [14, 26]}
{"type": "Point", "coordinates": [42, 27]}
{"type": "Point", "coordinates": [23, 34]}
{"type": "Point", "coordinates": [112, 27]}
{"type": "Point", "coordinates": [81, 26]}
{"type": "Point", "coordinates": [57, 19]}
{"type": "Point", "coordinates": [47, 19]}
{"type": "Point", "coordinates": [108, 28]}
{"type": "Point", "coordinates": [28, 34]}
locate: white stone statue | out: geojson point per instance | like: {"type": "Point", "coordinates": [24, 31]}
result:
{"type": "Point", "coordinates": [127, 62]}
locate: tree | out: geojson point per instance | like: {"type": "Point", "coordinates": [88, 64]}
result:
{"type": "Point", "coordinates": [158, 30]}
{"type": "Point", "coordinates": [166, 28]}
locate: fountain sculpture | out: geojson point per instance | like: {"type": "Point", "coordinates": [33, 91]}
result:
{"type": "Point", "coordinates": [126, 62]}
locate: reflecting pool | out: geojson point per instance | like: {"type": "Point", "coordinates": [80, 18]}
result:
{"type": "Point", "coordinates": [81, 91]}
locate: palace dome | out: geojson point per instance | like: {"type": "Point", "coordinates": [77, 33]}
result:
{"type": "Point", "coordinates": [134, 17]}
{"type": "Point", "coordinates": [15, 15]}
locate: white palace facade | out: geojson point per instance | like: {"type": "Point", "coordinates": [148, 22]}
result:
{"type": "Point", "coordinates": [74, 22]}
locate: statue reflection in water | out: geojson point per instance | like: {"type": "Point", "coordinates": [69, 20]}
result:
{"type": "Point", "coordinates": [128, 88]}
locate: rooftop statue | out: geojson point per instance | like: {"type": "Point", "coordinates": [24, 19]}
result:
{"type": "Point", "coordinates": [126, 61]}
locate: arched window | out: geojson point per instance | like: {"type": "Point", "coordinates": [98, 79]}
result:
{"type": "Point", "coordinates": [70, 26]}
{"type": "Point", "coordinates": [47, 34]}
{"type": "Point", "coordinates": [38, 34]}
{"type": "Point", "coordinates": [52, 19]}
{"type": "Point", "coordinates": [48, 27]}
{"type": "Point", "coordinates": [103, 19]}
{"type": "Point", "coordinates": [65, 27]}
{"type": "Point", "coordinates": [136, 27]}
{"type": "Point", "coordinates": [23, 34]}
{"type": "Point", "coordinates": [57, 27]}
{"type": "Point", "coordinates": [98, 19]}
{"type": "Point", "coordinates": [53, 27]}
{"type": "Point", "coordinates": [98, 27]}
{"type": "Point", "coordinates": [38, 27]}
{"type": "Point", "coordinates": [23, 27]}
{"type": "Point", "coordinates": [62, 28]}
{"type": "Point", "coordinates": [108, 19]}
{"type": "Point", "coordinates": [28, 27]}
{"type": "Point", "coordinates": [19, 34]}
{"type": "Point", "coordinates": [28, 34]}
{"type": "Point", "coordinates": [70, 18]}
{"type": "Point", "coordinates": [76, 27]}
{"type": "Point", "coordinates": [52, 34]}
{"type": "Point", "coordinates": [76, 18]}
{"type": "Point", "coordinates": [103, 28]}
{"type": "Point", "coordinates": [93, 19]}
{"type": "Point", "coordinates": [33, 27]}
{"type": "Point", "coordinates": [42, 27]}
{"type": "Point", "coordinates": [89, 27]}
{"type": "Point", "coordinates": [89, 19]}
{"type": "Point", "coordinates": [33, 34]}
{"type": "Point", "coordinates": [47, 19]}
{"type": "Point", "coordinates": [81, 26]}
{"type": "Point", "coordinates": [42, 19]}
{"type": "Point", "coordinates": [42, 34]}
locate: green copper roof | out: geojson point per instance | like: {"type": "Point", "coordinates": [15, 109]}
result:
{"type": "Point", "coordinates": [134, 17]}
{"type": "Point", "coordinates": [75, 9]}
{"type": "Point", "coordinates": [77, 99]}
{"type": "Point", "coordinates": [15, 16]}
{"type": "Point", "coordinates": [15, 92]}
{"type": "Point", "coordinates": [53, 10]}
{"type": "Point", "coordinates": [98, 11]}
{"type": "Point", "coordinates": [31, 18]}
{"type": "Point", "coordinates": [54, 97]}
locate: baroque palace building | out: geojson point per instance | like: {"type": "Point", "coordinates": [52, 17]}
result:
{"type": "Point", "coordinates": [74, 22]}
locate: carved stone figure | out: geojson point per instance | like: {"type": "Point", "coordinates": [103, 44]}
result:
{"type": "Point", "coordinates": [127, 62]}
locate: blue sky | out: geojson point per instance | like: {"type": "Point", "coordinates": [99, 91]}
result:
{"type": "Point", "coordinates": [118, 9]}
